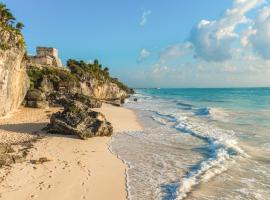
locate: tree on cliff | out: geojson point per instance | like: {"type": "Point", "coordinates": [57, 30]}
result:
{"type": "Point", "coordinates": [19, 26]}
{"type": "Point", "coordinates": [7, 22]}
{"type": "Point", "coordinates": [86, 71]}
{"type": "Point", "coordinates": [6, 17]}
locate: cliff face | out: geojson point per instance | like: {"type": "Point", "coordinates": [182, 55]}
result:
{"type": "Point", "coordinates": [13, 77]}
{"type": "Point", "coordinates": [96, 81]}
{"type": "Point", "coordinates": [90, 79]}
{"type": "Point", "coordinates": [104, 91]}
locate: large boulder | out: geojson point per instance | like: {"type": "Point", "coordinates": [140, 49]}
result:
{"type": "Point", "coordinates": [78, 119]}
{"type": "Point", "coordinates": [86, 100]}
{"type": "Point", "coordinates": [36, 99]}
{"type": "Point", "coordinates": [63, 99]}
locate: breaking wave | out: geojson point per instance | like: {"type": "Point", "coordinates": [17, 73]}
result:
{"type": "Point", "coordinates": [221, 145]}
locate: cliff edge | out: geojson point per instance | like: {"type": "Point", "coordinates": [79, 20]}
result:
{"type": "Point", "coordinates": [13, 77]}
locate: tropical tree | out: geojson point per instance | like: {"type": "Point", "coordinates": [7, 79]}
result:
{"type": "Point", "coordinates": [19, 25]}
{"type": "Point", "coordinates": [2, 10]}
{"type": "Point", "coordinates": [6, 16]}
{"type": "Point", "coordinates": [96, 62]}
{"type": "Point", "coordinates": [106, 69]}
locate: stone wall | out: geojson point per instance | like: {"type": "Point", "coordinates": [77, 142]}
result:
{"type": "Point", "coordinates": [46, 56]}
{"type": "Point", "coordinates": [41, 60]}
{"type": "Point", "coordinates": [47, 51]}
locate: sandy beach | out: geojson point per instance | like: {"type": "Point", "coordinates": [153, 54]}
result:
{"type": "Point", "coordinates": [77, 169]}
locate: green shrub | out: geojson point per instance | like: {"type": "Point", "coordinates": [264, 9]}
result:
{"type": "Point", "coordinates": [8, 24]}
{"type": "Point", "coordinates": [54, 75]}
{"type": "Point", "coordinates": [94, 70]}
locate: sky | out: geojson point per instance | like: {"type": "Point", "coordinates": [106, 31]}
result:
{"type": "Point", "coordinates": [157, 43]}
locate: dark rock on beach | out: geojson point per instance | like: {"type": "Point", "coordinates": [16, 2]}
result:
{"type": "Point", "coordinates": [87, 101]}
{"type": "Point", "coordinates": [78, 119]}
{"type": "Point", "coordinates": [58, 99]}
{"type": "Point", "coordinates": [36, 99]}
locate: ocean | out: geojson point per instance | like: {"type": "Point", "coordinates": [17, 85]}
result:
{"type": "Point", "coordinates": [198, 144]}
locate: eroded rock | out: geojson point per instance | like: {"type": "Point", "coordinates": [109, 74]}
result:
{"type": "Point", "coordinates": [36, 99]}
{"type": "Point", "coordinates": [78, 119]}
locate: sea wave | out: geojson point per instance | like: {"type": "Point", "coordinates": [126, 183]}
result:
{"type": "Point", "coordinates": [223, 147]}
{"type": "Point", "coordinates": [214, 113]}
{"type": "Point", "coordinates": [184, 105]}
{"type": "Point", "coordinates": [221, 144]}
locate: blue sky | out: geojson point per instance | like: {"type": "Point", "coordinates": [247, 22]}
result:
{"type": "Point", "coordinates": [154, 43]}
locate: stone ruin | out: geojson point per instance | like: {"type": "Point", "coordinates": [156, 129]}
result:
{"type": "Point", "coordinates": [46, 56]}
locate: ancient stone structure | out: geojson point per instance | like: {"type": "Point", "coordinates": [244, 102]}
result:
{"type": "Point", "coordinates": [46, 56]}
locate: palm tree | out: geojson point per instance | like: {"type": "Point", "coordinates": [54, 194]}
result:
{"type": "Point", "coordinates": [2, 8]}
{"type": "Point", "coordinates": [19, 25]}
{"type": "Point", "coordinates": [96, 62]}
{"type": "Point", "coordinates": [6, 16]}
{"type": "Point", "coordinates": [106, 69]}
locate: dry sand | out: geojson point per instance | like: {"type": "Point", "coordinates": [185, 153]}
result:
{"type": "Point", "coordinates": [78, 169]}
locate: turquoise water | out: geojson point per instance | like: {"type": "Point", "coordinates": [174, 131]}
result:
{"type": "Point", "coordinates": [198, 144]}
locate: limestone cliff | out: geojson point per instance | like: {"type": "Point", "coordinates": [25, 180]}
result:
{"type": "Point", "coordinates": [96, 81]}
{"type": "Point", "coordinates": [104, 91]}
{"type": "Point", "coordinates": [87, 79]}
{"type": "Point", "coordinates": [13, 77]}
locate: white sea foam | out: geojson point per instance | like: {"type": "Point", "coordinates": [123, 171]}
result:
{"type": "Point", "coordinates": [221, 144]}
{"type": "Point", "coordinates": [214, 113]}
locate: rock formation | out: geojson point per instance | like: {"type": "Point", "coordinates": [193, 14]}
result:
{"type": "Point", "coordinates": [63, 99]}
{"type": "Point", "coordinates": [104, 91]}
{"type": "Point", "coordinates": [78, 119]}
{"type": "Point", "coordinates": [80, 78]}
{"type": "Point", "coordinates": [14, 81]}
{"type": "Point", "coordinates": [36, 99]}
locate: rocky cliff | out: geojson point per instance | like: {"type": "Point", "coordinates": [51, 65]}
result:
{"type": "Point", "coordinates": [96, 81]}
{"type": "Point", "coordinates": [13, 77]}
{"type": "Point", "coordinates": [104, 91]}
{"type": "Point", "coordinates": [87, 79]}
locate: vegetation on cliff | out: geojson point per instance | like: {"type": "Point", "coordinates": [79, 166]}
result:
{"type": "Point", "coordinates": [10, 29]}
{"type": "Point", "coordinates": [53, 75]}
{"type": "Point", "coordinates": [86, 71]}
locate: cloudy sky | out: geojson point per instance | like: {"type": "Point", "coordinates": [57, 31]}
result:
{"type": "Point", "coordinates": [156, 43]}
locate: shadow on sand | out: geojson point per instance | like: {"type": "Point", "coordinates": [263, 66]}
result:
{"type": "Point", "coordinates": [32, 128]}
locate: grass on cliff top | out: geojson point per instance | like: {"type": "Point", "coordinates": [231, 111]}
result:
{"type": "Point", "coordinates": [86, 71]}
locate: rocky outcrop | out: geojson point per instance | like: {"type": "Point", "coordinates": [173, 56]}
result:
{"type": "Point", "coordinates": [96, 81]}
{"type": "Point", "coordinates": [62, 81]}
{"type": "Point", "coordinates": [36, 99]}
{"type": "Point", "coordinates": [64, 99]}
{"type": "Point", "coordinates": [78, 119]}
{"type": "Point", "coordinates": [104, 91]}
{"type": "Point", "coordinates": [14, 81]}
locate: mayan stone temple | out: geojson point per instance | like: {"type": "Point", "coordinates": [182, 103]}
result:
{"type": "Point", "coordinates": [46, 56]}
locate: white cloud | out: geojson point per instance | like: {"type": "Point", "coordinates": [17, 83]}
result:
{"type": "Point", "coordinates": [143, 55]}
{"type": "Point", "coordinates": [259, 36]}
{"type": "Point", "coordinates": [175, 51]}
{"type": "Point", "coordinates": [144, 17]}
{"type": "Point", "coordinates": [213, 40]}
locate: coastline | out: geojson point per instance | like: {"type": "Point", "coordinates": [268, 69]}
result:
{"type": "Point", "coordinates": [77, 169]}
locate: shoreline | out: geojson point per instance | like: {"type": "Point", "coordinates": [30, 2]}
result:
{"type": "Point", "coordinates": [77, 169]}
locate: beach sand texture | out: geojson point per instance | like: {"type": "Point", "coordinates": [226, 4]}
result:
{"type": "Point", "coordinates": [77, 169]}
